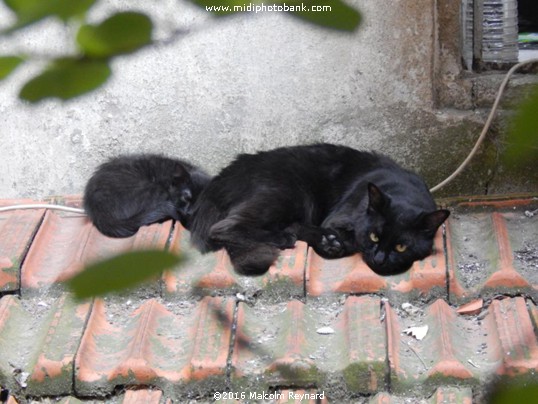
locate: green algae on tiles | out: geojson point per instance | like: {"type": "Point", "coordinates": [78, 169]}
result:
{"type": "Point", "coordinates": [38, 341]}
{"type": "Point", "coordinates": [364, 338]}
{"type": "Point", "coordinates": [52, 366]}
{"type": "Point", "coordinates": [9, 274]}
{"type": "Point", "coordinates": [366, 377]}
{"type": "Point", "coordinates": [15, 326]}
{"type": "Point", "coordinates": [277, 351]}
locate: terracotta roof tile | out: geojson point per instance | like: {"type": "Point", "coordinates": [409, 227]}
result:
{"type": "Point", "coordinates": [17, 229]}
{"type": "Point", "coordinates": [491, 253]}
{"type": "Point", "coordinates": [275, 351]}
{"type": "Point", "coordinates": [209, 274]}
{"type": "Point", "coordinates": [13, 324]}
{"type": "Point", "coordinates": [39, 343]}
{"type": "Point", "coordinates": [301, 345]}
{"type": "Point", "coordinates": [130, 396]}
{"type": "Point", "coordinates": [466, 350]}
{"type": "Point", "coordinates": [152, 345]}
{"type": "Point", "coordinates": [361, 332]}
{"type": "Point", "coordinates": [443, 395]}
{"type": "Point", "coordinates": [65, 242]}
{"type": "Point", "coordinates": [426, 279]}
{"type": "Point", "coordinates": [512, 336]}
{"type": "Point", "coordinates": [143, 397]}
{"type": "Point", "coordinates": [308, 326]}
{"type": "Point", "coordinates": [452, 395]}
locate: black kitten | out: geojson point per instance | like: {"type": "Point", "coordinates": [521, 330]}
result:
{"type": "Point", "coordinates": [128, 192]}
{"type": "Point", "coordinates": [339, 200]}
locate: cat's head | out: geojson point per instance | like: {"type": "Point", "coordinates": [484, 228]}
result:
{"type": "Point", "coordinates": [394, 236]}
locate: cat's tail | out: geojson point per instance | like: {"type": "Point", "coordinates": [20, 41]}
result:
{"type": "Point", "coordinates": [125, 220]}
{"type": "Point", "coordinates": [120, 228]}
{"type": "Point", "coordinates": [131, 191]}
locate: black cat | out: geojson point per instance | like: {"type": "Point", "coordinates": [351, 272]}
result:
{"type": "Point", "coordinates": [128, 192]}
{"type": "Point", "coordinates": [339, 200]}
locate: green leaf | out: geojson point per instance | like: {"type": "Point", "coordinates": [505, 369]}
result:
{"type": "Point", "coordinates": [65, 79]}
{"type": "Point", "coordinates": [120, 273]}
{"type": "Point", "coordinates": [121, 33]}
{"type": "Point", "coordinates": [30, 11]}
{"type": "Point", "coordinates": [8, 64]}
{"type": "Point", "coordinates": [523, 132]}
{"type": "Point", "coordinates": [334, 14]}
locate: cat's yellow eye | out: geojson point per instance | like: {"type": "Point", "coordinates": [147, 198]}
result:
{"type": "Point", "coordinates": [400, 248]}
{"type": "Point", "coordinates": [374, 237]}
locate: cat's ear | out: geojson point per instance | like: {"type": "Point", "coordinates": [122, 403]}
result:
{"type": "Point", "coordinates": [430, 222]}
{"type": "Point", "coordinates": [376, 199]}
{"type": "Point", "coordinates": [179, 173]}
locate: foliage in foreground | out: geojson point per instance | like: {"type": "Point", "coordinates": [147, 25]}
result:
{"type": "Point", "coordinates": [122, 33]}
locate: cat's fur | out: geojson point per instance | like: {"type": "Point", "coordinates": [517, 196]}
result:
{"type": "Point", "coordinates": [128, 192]}
{"type": "Point", "coordinates": [339, 200]}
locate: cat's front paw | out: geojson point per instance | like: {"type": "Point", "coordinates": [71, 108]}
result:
{"type": "Point", "coordinates": [330, 246]}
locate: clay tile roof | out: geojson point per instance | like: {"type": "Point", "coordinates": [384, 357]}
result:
{"type": "Point", "coordinates": [309, 331]}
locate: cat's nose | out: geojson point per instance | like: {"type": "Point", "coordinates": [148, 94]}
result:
{"type": "Point", "coordinates": [380, 257]}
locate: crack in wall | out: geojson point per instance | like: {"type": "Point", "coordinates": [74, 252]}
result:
{"type": "Point", "coordinates": [493, 170]}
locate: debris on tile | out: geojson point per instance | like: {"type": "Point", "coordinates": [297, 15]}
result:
{"type": "Point", "coordinates": [325, 330]}
{"type": "Point", "coordinates": [471, 308]}
{"type": "Point", "coordinates": [473, 364]}
{"type": "Point", "coordinates": [410, 309]}
{"type": "Point", "coordinates": [531, 213]}
{"type": "Point", "coordinates": [527, 255]}
{"type": "Point", "coordinates": [419, 332]}
{"type": "Point", "coordinates": [241, 297]}
{"type": "Point", "coordinates": [21, 377]}
{"type": "Point", "coordinates": [248, 298]}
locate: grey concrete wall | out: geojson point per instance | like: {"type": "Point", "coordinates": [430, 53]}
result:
{"type": "Point", "coordinates": [241, 84]}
